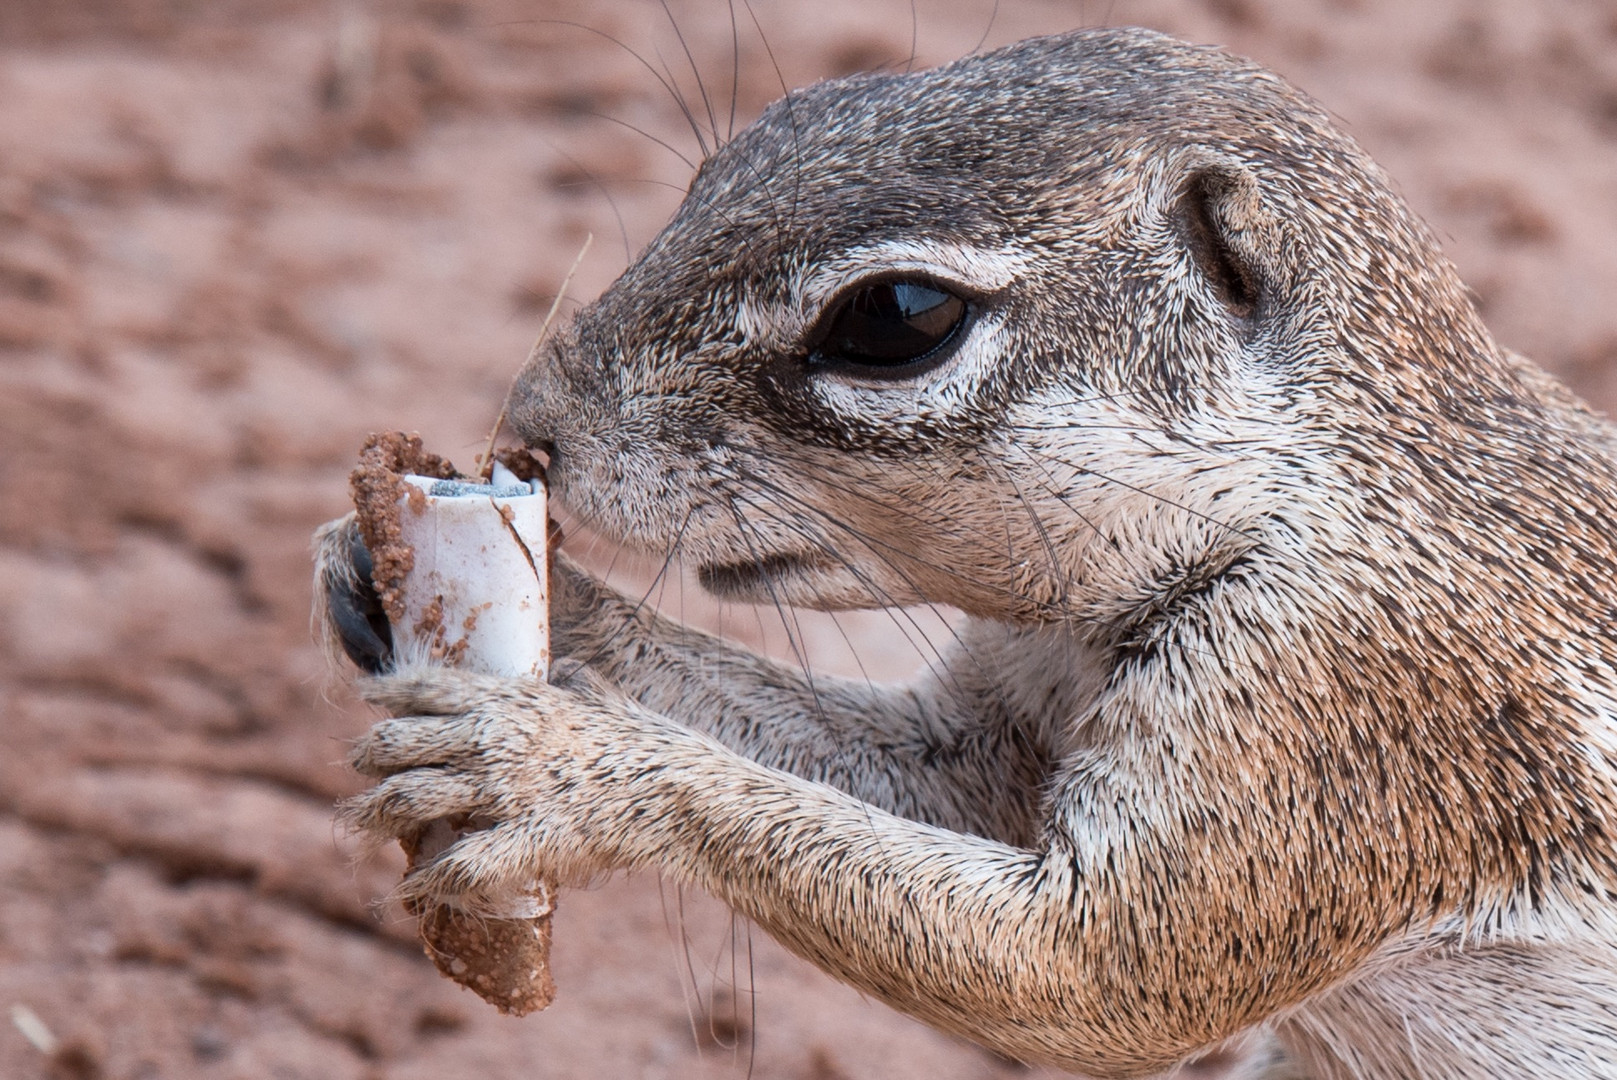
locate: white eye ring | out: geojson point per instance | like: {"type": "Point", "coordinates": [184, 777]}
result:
{"type": "Point", "coordinates": [974, 270]}
{"type": "Point", "coordinates": [961, 269]}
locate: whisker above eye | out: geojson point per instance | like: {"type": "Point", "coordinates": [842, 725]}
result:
{"type": "Point", "coordinates": [666, 83]}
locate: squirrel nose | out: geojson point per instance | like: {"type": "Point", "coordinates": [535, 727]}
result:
{"type": "Point", "coordinates": [528, 409]}
{"type": "Point", "coordinates": [559, 394]}
{"type": "Point", "coordinates": [546, 400]}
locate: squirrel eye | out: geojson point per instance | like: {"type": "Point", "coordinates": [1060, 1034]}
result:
{"type": "Point", "coordinates": [891, 324]}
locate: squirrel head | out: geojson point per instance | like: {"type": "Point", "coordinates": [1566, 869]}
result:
{"type": "Point", "coordinates": [1012, 334]}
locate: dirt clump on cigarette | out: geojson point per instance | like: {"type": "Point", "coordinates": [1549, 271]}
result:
{"type": "Point", "coordinates": [504, 961]}
{"type": "Point", "coordinates": [377, 486]}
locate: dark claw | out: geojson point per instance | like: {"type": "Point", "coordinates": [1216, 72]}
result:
{"type": "Point", "coordinates": [356, 612]}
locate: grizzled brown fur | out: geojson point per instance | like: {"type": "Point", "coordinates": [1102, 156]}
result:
{"type": "Point", "coordinates": [1284, 708]}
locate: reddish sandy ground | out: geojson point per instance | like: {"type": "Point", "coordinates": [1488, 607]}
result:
{"type": "Point", "coordinates": [235, 237]}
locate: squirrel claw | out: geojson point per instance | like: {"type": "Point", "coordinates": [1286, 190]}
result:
{"type": "Point", "coordinates": [351, 607]}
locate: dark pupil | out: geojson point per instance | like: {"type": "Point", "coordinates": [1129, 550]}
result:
{"type": "Point", "coordinates": [892, 323]}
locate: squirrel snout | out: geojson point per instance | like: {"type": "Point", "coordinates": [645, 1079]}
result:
{"type": "Point", "coordinates": [537, 402]}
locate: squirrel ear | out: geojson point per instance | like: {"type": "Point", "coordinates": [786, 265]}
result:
{"type": "Point", "coordinates": [1219, 216]}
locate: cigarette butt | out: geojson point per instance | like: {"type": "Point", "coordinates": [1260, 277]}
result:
{"type": "Point", "coordinates": [463, 571]}
{"type": "Point", "coordinates": [477, 595]}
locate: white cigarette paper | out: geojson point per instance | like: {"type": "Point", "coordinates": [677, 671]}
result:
{"type": "Point", "coordinates": [477, 596]}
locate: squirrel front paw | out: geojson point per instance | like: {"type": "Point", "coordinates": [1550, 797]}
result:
{"type": "Point", "coordinates": [521, 763]}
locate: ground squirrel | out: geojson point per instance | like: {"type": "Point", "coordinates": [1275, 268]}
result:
{"type": "Point", "coordinates": [1283, 709]}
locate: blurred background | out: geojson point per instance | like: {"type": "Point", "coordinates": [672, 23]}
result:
{"type": "Point", "coordinates": [237, 236]}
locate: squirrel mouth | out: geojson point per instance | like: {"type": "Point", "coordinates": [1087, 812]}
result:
{"type": "Point", "coordinates": [754, 577]}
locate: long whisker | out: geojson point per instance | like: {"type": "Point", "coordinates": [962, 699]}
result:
{"type": "Point", "coordinates": [752, 1004]}
{"type": "Point", "coordinates": [889, 500]}
{"type": "Point", "coordinates": [879, 546]}
{"type": "Point", "coordinates": [662, 571]}
{"type": "Point", "coordinates": [795, 643]}
{"type": "Point", "coordinates": [877, 593]}
{"type": "Point", "coordinates": [791, 113]}
{"type": "Point", "coordinates": [701, 88]}
{"type": "Point", "coordinates": [1058, 572]}
{"type": "Point", "coordinates": [735, 69]}
{"type": "Point", "coordinates": [943, 670]}
{"type": "Point", "coordinates": [673, 91]}
{"type": "Point", "coordinates": [875, 546]}
{"type": "Point", "coordinates": [643, 133]}
{"type": "Point", "coordinates": [1154, 496]}
{"type": "Point", "coordinates": [915, 38]}
{"type": "Point", "coordinates": [792, 641]}
{"type": "Point", "coordinates": [593, 179]}
{"type": "Point", "coordinates": [689, 989]}
{"type": "Point", "coordinates": [693, 197]}
{"type": "Point", "coordinates": [989, 29]}
{"type": "Point", "coordinates": [1053, 490]}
